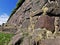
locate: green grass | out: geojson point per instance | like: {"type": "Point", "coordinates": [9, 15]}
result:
{"type": "Point", "coordinates": [5, 38]}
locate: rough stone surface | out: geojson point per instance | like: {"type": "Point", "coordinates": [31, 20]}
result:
{"type": "Point", "coordinates": [25, 10]}
{"type": "Point", "coordinates": [26, 23]}
{"type": "Point", "coordinates": [50, 42]}
{"type": "Point", "coordinates": [30, 15]}
{"type": "Point", "coordinates": [8, 28]}
{"type": "Point", "coordinates": [28, 6]}
{"type": "Point", "coordinates": [59, 24]}
{"type": "Point", "coordinates": [15, 39]}
{"type": "Point", "coordinates": [45, 21]}
{"type": "Point", "coordinates": [54, 7]}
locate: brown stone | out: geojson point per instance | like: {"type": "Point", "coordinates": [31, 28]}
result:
{"type": "Point", "coordinates": [45, 21]}
{"type": "Point", "coordinates": [50, 42]}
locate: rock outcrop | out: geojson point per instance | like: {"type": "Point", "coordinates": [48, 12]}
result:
{"type": "Point", "coordinates": [45, 22]}
{"type": "Point", "coordinates": [34, 8]}
{"type": "Point", "coordinates": [40, 15]}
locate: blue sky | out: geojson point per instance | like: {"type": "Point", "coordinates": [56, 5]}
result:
{"type": "Point", "coordinates": [6, 7]}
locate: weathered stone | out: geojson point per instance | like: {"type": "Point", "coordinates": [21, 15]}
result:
{"type": "Point", "coordinates": [26, 6]}
{"type": "Point", "coordinates": [26, 23]}
{"type": "Point", "coordinates": [54, 7]}
{"type": "Point", "coordinates": [10, 29]}
{"type": "Point", "coordinates": [35, 6]}
{"type": "Point", "coordinates": [27, 14]}
{"type": "Point", "coordinates": [59, 24]}
{"type": "Point", "coordinates": [17, 38]}
{"type": "Point", "coordinates": [31, 12]}
{"type": "Point", "coordinates": [50, 42]}
{"type": "Point", "coordinates": [0, 28]}
{"type": "Point", "coordinates": [26, 41]}
{"type": "Point", "coordinates": [45, 21]}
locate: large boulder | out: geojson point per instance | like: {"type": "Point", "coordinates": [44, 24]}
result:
{"type": "Point", "coordinates": [45, 21]}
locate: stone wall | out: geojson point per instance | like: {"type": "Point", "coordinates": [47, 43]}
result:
{"type": "Point", "coordinates": [33, 9]}
{"type": "Point", "coordinates": [37, 14]}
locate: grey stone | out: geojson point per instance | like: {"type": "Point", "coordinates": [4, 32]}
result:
{"type": "Point", "coordinates": [50, 42]}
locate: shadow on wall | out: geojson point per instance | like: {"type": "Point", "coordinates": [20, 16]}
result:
{"type": "Point", "coordinates": [19, 41]}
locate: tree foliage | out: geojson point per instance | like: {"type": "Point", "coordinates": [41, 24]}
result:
{"type": "Point", "coordinates": [19, 3]}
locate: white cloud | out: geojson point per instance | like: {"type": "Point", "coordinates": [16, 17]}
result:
{"type": "Point", "coordinates": [3, 18]}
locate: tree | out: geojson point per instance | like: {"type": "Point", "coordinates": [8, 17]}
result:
{"type": "Point", "coordinates": [19, 3]}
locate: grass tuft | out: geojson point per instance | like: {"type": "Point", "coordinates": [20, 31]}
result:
{"type": "Point", "coordinates": [5, 38]}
